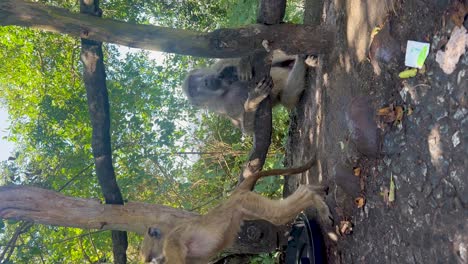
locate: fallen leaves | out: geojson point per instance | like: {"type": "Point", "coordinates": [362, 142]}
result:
{"type": "Point", "coordinates": [393, 114]}
{"type": "Point", "coordinates": [409, 111]}
{"type": "Point", "coordinates": [457, 12]}
{"type": "Point", "coordinates": [345, 228]}
{"type": "Point", "coordinates": [385, 192]}
{"type": "Point", "coordinates": [357, 171]}
{"type": "Point", "coordinates": [398, 114]}
{"type": "Point", "coordinates": [360, 201]}
{"type": "Point", "coordinates": [389, 193]}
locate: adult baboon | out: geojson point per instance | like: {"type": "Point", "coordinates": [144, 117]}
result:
{"type": "Point", "coordinates": [224, 88]}
{"type": "Point", "coordinates": [198, 239]}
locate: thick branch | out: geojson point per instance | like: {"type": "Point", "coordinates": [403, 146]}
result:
{"type": "Point", "coordinates": [263, 119]}
{"type": "Point", "coordinates": [51, 208]}
{"type": "Point", "coordinates": [270, 11]}
{"type": "Point", "coordinates": [222, 43]}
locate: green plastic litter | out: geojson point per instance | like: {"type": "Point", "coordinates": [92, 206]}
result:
{"type": "Point", "coordinates": [422, 56]}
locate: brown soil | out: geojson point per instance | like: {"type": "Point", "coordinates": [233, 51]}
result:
{"type": "Point", "coordinates": [427, 154]}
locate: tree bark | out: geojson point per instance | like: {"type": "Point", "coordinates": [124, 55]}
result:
{"type": "Point", "coordinates": [271, 12]}
{"type": "Point", "coordinates": [221, 43]}
{"type": "Point", "coordinates": [51, 208]}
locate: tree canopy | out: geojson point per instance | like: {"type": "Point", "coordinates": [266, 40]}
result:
{"type": "Point", "coordinates": [164, 151]}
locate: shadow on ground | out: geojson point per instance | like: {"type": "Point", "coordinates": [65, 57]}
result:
{"type": "Point", "coordinates": [426, 154]}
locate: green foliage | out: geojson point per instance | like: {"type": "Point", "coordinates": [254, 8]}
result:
{"type": "Point", "coordinates": [294, 11]}
{"type": "Point", "coordinates": [267, 258]}
{"type": "Point", "coordinates": [190, 14]}
{"type": "Point", "coordinates": [241, 13]}
{"type": "Point", "coordinates": [164, 151]}
{"type": "Point", "coordinates": [244, 12]}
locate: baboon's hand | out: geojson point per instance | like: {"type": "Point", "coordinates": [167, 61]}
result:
{"type": "Point", "coordinates": [245, 69]}
{"type": "Point", "coordinates": [319, 203]}
{"type": "Point", "coordinates": [311, 60]}
{"type": "Point", "coordinates": [260, 92]}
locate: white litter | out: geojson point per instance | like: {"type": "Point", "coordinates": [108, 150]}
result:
{"type": "Point", "coordinates": [416, 53]}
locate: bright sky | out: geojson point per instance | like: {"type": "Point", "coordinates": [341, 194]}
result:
{"type": "Point", "coordinates": [154, 55]}
{"type": "Point", "coordinates": [5, 146]}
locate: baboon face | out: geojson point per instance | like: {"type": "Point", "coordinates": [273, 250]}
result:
{"type": "Point", "coordinates": [203, 85]}
{"type": "Point", "coordinates": [152, 247]}
{"type": "Point", "coordinates": [199, 82]}
{"type": "Point", "coordinates": [155, 233]}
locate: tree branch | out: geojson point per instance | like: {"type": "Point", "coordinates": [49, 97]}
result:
{"type": "Point", "coordinates": [8, 249]}
{"type": "Point", "coordinates": [221, 43]}
{"type": "Point", "coordinates": [52, 208]}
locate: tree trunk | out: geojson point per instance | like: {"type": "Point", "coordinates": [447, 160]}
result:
{"type": "Point", "coordinates": [51, 208]}
{"type": "Point", "coordinates": [94, 75]}
{"type": "Point", "coordinates": [221, 43]}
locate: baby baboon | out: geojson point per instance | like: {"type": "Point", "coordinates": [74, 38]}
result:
{"type": "Point", "coordinates": [197, 239]}
{"type": "Point", "coordinates": [224, 88]}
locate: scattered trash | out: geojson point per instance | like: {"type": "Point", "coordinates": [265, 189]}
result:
{"type": "Point", "coordinates": [454, 49]}
{"type": "Point", "coordinates": [408, 73]}
{"type": "Point", "coordinates": [342, 145]}
{"type": "Point", "coordinates": [456, 139]}
{"type": "Point", "coordinates": [416, 53]}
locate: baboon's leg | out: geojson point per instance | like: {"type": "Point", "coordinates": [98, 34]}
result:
{"type": "Point", "coordinates": [295, 83]}
{"type": "Point", "coordinates": [278, 212]}
{"type": "Point", "coordinates": [174, 251]}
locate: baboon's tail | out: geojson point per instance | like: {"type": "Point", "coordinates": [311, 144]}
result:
{"type": "Point", "coordinates": [249, 182]}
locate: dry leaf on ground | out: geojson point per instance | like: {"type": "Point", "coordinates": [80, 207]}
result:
{"type": "Point", "coordinates": [360, 201]}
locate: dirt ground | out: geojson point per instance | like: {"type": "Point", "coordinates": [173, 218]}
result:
{"type": "Point", "coordinates": [425, 151]}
